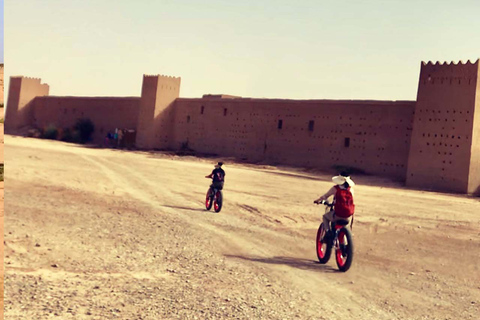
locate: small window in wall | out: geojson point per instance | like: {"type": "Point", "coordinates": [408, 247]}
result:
{"type": "Point", "coordinates": [280, 124]}
{"type": "Point", "coordinates": [225, 111]}
{"type": "Point", "coordinates": [311, 124]}
{"type": "Point", "coordinates": [188, 119]}
{"type": "Point", "coordinates": [202, 109]}
{"type": "Point", "coordinates": [347, 142]}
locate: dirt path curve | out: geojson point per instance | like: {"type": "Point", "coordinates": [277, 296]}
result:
{"type": "Point", "coordinates": [104, 234]}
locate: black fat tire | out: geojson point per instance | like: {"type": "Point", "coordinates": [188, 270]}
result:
{"type": "Point", "coordinates": [219, 201]}
{"type": "Point", "coordinates": [209, 204]}
{"type": "Point", "coordinates": [349, 250]}
{"type": "Point", "coordinates": [328, 250]}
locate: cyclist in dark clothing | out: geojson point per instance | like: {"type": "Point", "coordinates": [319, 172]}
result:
{"type": "Point", "coordinates": [217, 176]}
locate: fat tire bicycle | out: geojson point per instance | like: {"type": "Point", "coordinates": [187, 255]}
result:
{"type": "Point", "coordinates": [214, 198]}
{"type": "Point", "coordinates": [338, 238]}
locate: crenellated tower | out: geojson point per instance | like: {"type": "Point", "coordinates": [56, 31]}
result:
{"type": "Point", "coordinates": [155, 119]}
{"type": "Point", "coordinates": [445, 145]}
{"type": "Point", "coordinates": [21, 93]}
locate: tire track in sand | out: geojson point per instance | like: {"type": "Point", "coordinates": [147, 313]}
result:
{"type": "Point", "coordinates": [327, 292]}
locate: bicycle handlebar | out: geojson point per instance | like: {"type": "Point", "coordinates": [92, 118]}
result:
{"type": "Point", "coordinates": [324, 202]}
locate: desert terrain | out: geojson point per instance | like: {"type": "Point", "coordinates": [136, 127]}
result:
{"type": "Point", "coordinates": [110, 234]}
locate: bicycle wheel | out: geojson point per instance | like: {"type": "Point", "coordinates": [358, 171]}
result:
{"type": "Point", "coordinates": [209, 199]}
{"type": "Point", "coordinates": [218, 201]}
{"type": "Point", "coordinates": [324, 247]}
{"type": "Point", "coordinates": [344, 253]}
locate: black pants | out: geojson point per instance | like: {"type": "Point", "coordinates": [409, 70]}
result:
{"type": "Point", "coordinates": [217, 185]}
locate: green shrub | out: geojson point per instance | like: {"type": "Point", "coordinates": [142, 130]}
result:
{"type": "Point", "coordinates": [85, 129]}
{"type": "Point", "coordinates": [50, 132]}
{"type": "Point", "coordinates": [67, 135]}
{"type": "Point", "coordinates": [76, 138]}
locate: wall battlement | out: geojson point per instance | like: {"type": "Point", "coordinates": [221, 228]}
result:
{"type": "Point", "coordinates": [39, 80]}
{"type": "Point", "coordinates": [459, 63]}
{"type": "Point", "coordinates": [30, 80]}
{"type": "Point", "coordinates": [161, 76]}
{"type": "Point", "coordinates": [448, 73]}
{"type": "Point", "coordinates": [433, 142]}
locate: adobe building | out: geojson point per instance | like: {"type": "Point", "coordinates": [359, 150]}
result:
{"type": "Point", "coordinates": [433, 142]}
{"type": "Point", "coordinates": [1, 85]}
{"type": "Point", "coordinates": [445, 146]}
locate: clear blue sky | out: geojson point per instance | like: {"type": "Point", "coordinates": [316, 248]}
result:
{"type": "Point", "coordinates": [271, 48]}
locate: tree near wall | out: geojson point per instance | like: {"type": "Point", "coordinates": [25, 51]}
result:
{"type": "Point", "coordinates": [85, 128]}
{"type": "Point", "coordinates": [50, 132]}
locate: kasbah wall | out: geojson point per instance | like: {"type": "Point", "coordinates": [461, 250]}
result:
{"type": "Point", "coordinates": [1, 84]}
{"type": "Point", "coordinates": [433, 142]}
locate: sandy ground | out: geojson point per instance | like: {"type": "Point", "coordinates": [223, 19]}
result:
{"type": "Point", "coordinates": [107, 234]}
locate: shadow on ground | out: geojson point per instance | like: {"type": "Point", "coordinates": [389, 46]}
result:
{"type": "Point", "coordinates": [185, 208]}
{"type": "Point", "coordinates": [299, 263]}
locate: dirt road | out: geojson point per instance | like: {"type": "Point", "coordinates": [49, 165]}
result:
{"type": "Point", "coordinates": [106, 234]}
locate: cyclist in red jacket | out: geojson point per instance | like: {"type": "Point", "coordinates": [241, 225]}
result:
{"type": "Point", "coordinates": [343, 200]}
